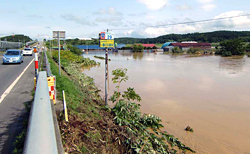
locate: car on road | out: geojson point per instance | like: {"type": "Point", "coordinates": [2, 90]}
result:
{"type": "Point", "coordinates": [13, 56]}
{"type": "Point", "coordinates": [28, 51]}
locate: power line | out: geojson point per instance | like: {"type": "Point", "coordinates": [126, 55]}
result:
{"type": "Point", "coordinates": [181, 23]}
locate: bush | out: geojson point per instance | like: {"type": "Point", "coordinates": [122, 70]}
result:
{"type": "Point", "coordinates": [192, 50]}
{"type": "Point", "coordinates": [177, 50]}
{"type": "Point", "coordinates": [75, 50]}
{"type": "Point", "coordinates": [69, 57]}
{"type": "Point", "coordinates": [144, 128]}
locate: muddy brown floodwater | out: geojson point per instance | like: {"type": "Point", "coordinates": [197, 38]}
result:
{"type": "Point", "coordinates": [208, 93]}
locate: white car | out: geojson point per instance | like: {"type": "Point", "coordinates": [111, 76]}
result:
{"type": "Point", "coordinates": [28, 51]}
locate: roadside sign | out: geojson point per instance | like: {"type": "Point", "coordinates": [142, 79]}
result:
{"type": "Point", "coordinates": [107, 43]}
{"type": "Point", "coordinates": [102, 36]}
{"type": "Point", "coordinates": [35, 50]}
{"type": "Point", "coordinates": [61, 34]}
{"type": "Point", "coordinates": [109, 36]}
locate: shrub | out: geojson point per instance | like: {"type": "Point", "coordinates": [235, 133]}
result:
{"type": "Point", "coordinates": [177, 50]}
{"type": "Point", "coordinates": [75, 50]}
{"type": "Point", "coordinates": [192, 50]}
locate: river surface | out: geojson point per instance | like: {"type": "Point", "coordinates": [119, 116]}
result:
{"type": "Point", "coordinates": [211, 94]}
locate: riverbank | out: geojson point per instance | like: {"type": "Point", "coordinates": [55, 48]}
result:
{"type": "Point", "coordinates": [92, 128]}
{"type": "Point", "coordinates": [184, 90]}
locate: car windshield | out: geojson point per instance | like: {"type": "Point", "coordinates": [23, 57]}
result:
{"type": "Point", "coordinates": [27, 49]}
{"type": "Point", "coordinates": [12, 53]}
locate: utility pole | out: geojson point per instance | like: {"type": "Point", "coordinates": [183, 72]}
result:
{"type": "Point", "coordinates": [59, 62]}
{"type": "Point", "coordinates": [106, 75]}
{"type": "Point", "coordinates": [50, 46]}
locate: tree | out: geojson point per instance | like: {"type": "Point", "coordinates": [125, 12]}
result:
{"type": "Point", "coordinates": [137, 48]}
{"type": "Point", "coordinates": [248, 47]}
{"type": "Point", "coordinates": [231, 47]}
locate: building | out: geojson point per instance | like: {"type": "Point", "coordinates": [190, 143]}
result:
{"type": "Point", "coordinates": [148, 45]}
{"type": "Point", "coordinates": [165, 46]}
{"type": "Point", "coordinates": [186, 46]}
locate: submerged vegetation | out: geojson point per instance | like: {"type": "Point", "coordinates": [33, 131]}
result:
{"type": "Point", "coordinates": [103, 58]}
{"type": "Point", "coordinates": [96, 128]}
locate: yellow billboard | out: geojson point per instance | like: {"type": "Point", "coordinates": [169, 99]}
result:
{"type": "Point", "coordinates": [107, 43]}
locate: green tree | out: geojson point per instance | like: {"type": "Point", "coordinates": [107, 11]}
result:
{"type": "Point", "coordinates": [231, 47]}
{"type": "Point", "coordinates": [137, 48]}
{"type": "Point", "coordinates": [248, 47]}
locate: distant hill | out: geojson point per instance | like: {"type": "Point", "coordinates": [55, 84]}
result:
{"type": "Point", "coordinates": [209, 37]}
{"type": "Point", "coordinates": [16, 38]}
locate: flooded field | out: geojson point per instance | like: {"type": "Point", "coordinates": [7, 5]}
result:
{"type": "Point", "coordinates": [208, 93]}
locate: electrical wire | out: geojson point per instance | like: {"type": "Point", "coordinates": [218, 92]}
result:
{"type": "Point", "coordinates": [181, 23]}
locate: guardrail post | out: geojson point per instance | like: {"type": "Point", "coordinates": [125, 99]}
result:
{"type": "Point", "coordinates": [36, 64]}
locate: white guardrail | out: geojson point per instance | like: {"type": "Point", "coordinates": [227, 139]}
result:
{"type": "Point", "coordinates": [41, 136]}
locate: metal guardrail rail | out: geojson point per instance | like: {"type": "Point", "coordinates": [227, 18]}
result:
{"type": "Point", "coordinates": [47, 65]}
{"type": "Point", "coordinates": [30, 43]}
{"type": "Point", "coordinates": [8, 45]}
{"type": "Point", "coordinates": [41, 137]}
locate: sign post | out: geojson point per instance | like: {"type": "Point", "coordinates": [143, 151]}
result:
{"type": "Point", "coordinates": [106, 40]}
{"type": "Point", "coordinates": [58, 35]}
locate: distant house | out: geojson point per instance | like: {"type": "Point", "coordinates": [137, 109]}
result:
{"type": "Point", "coordinates": [186, 46]}
{"type": "Point", "coordinates": [165, 46]}
{"type": "Point", "coordinates": [148, 45]}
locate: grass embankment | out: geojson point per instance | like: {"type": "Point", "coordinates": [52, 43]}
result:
{"type": "Point", "coordinates": [90, 128]}
{"type": "Point", "coordinates": [94, 128]}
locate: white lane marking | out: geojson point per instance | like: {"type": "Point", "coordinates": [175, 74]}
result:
{"type": "Point", "coordinates": [7, 91]}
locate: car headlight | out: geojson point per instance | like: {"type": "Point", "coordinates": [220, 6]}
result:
{"type": "Point", "coordinates": [4, 58]}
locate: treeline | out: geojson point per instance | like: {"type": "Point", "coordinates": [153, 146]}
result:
{"type": "Point", "coordinates": [81, 42]}
{"type": "Point", "coordinates": [16, 38]}
{"type": "Point", "coordinates": [210, 37]}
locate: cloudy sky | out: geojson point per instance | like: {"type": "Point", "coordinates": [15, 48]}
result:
{"type": "Point", "coordinates": [125, 18]}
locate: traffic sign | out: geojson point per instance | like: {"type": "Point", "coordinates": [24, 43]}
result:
{"type": "Point", "coordinates": [102, 36]}
{"type": "Point", "coordinates": [109, 36]}
{"type": "Point", "coordinates": [107, 43]}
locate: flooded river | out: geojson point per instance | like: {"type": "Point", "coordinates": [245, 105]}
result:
{"type": "Point", "coordinates": [209, 93]}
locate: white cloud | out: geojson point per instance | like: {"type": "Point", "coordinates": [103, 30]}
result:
{"type": "Point", "coordinates": [241, 22]}
{"type": "Point", "coordinates": [236, 23]}
{"type": "Point", "coordinates": [184, 7]}
{"type": "Point", "coordinates": [150, 17]}
{"type": "Point", "coordinates": [205, 1]}
{"type": "Point", "coordinates": [76, 19]}
{"type": "Point", "coordinates": [154, 4]}
{"type": "Point", "coordinates": [208, 7]}
{"type": "Point", "coordinates": [109, 11]}
{"type": "Point", "coordinates": [108, 19]}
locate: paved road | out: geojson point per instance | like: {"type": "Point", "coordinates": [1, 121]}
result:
{"type": "Point", "coordinates": [9, 72]}
{"type": "Point", "coordinates": [12, 108]}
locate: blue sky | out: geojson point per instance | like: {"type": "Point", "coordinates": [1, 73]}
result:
{"type": "Point", "coordinates": [125, 18]}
